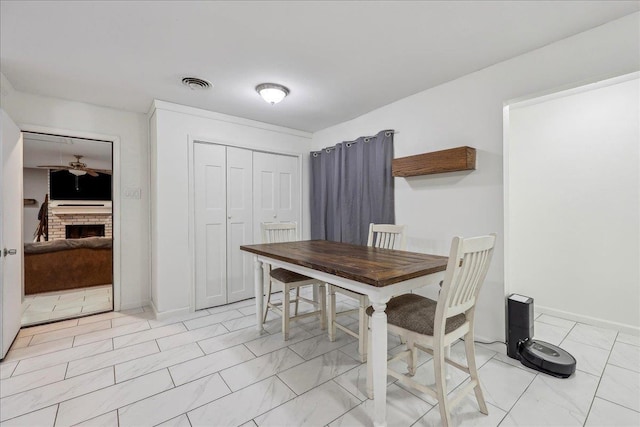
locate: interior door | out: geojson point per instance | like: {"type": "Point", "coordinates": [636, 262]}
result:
{"type": "Point", "coordinates": [276, 186]}
{"type": "Point", "coordinates": [11, 258]}
{"type": "Point", "coordinates": [210, 187]}
{"type": "Point", "coordinates": [288, 190]}
{"type": "Point", "coordinates": [239, 223]}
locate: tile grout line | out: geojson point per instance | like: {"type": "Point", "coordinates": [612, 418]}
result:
{"type": "Point", "coordinates": [617, 404]}
{"type": "Point", "coordinates": [595, 393]}
{"type": "Point", "coordinates": [518, 400]}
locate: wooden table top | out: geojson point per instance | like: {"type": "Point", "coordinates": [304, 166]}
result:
{"type": "Point", "coordinates": [374, 266]}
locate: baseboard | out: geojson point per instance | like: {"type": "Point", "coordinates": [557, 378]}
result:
{"type": "Point", "coordinates": [162, 315]}
{"type": "Point", "coordinates": [593, 321]}
{"type": "Point", "coordinates": [132, 305]}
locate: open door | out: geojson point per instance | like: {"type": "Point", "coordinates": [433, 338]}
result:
{"type": "Point", "coordinates": [11, 246]}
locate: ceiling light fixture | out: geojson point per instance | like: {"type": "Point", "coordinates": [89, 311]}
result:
{"type": "Point", "coordinates": [272, 92]}
{"type": "Point", "coordinates": [77, 172]}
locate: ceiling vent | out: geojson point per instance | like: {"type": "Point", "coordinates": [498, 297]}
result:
{"type": "Point", "coordinates": [195, 83]}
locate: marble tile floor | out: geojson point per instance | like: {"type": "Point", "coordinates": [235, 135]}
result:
{"type": "Point", "coordinates": [53, 306]}
{"type": "Point", "coordinates": [211, 368]}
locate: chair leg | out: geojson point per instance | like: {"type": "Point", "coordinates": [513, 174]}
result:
{"type": "Point", "coordinates": [363, 328]}
{"type": "Point", "coordinates": [266, 305]}
{"type": "Point", "coordinates": [447, 355]}
{"type": "Point", "coordinates": [441, 385]}
{"type": "Point", "coordinates": [473, 371]}
{"type": "Point", "coordinates": [286, 302]}
{"type": "Point", "coordinates": [332, 313]}
{"type": "Point", "coordinates": [412, 357]}
{"type": "Point", "coordinates": [295, 313]}
{"type": "Point", "coordinates": [323, 306]}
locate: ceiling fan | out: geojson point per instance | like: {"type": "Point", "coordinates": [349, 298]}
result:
{"type": "Point", "coordinates": [77, 168]}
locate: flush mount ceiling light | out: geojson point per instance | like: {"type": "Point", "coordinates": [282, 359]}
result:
{"type": "Point", "coordinates": [272, 92]}
{"type": "Point", "coordinates": [195, 83]}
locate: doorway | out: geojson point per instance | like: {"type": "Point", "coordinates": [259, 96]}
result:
{"type": "Point", "coordinates": [67, 227]}
{"type": "Point", "coordinates": [572, 211]}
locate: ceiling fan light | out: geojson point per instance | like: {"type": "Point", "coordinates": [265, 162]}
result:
{"type": "Point", "coordinates": [77, 172]}
{"type": "Point", "coordinates": [272, 92]}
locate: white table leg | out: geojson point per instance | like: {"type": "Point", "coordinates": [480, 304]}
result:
{"type": "Point", "coordinates": [259, 289]}
{"type": "Point", "coordinates": [379, 361]}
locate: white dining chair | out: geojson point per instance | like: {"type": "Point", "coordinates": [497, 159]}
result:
{"type": "Point", "coordinates": [289, 280]}
{"type": "Point", "coordinates": [386, 236]}
{"type": "Point", "coordinates": [432, 326]}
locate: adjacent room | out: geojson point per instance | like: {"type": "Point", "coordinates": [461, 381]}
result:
{"type": "Point", "coordinates": [68, 228]}
{"type": "Point", "coordinates": [320, 213]}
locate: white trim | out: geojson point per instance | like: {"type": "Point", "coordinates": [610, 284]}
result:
{"type": "Point", "coordinates": [162, 315]}
{"type": "Point", "coordinates": [571, 89]}
{"type": "Point", "coordinates": [116, 200]}
{"type": "Point", "coordinates": [191, 140]}
{"type": "Point", "coordinates": [197, 112]}
{"type": "Point", "coordinates": [594, 321]}
{"type": "Point", "coordinates": [80, 207]}
{"type": "Point", "coordinates": [505, 198]}
{"type": "Point", "coordinates": [132, 305]}
{"type": "Point", "coordinates": [191, 238]}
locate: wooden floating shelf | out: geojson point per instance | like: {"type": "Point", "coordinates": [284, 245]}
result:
{"type": "Point", "coordinates": [451, 160]}
{"type": "Point", "coordinates": [30, 202]}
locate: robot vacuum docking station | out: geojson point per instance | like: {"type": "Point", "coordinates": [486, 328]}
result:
{"type": "Point", "coordinates": [539, 355]}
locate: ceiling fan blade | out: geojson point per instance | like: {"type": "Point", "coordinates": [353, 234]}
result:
{"type": "Point", "coordinates": [90, 171]}
{"type": "Point", "coordinates": [58, 167]}
{"type": "Point", "coordinates": [104, 171]}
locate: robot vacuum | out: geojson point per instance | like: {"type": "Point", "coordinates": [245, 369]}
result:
{"type": "Point", "coordinates": [539, 355]}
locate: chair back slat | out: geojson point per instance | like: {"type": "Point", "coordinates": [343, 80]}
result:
{"type": "Point", "coordinates": [387, 236]}
{"type": "Point", "coordinates": [279, 232]}
{"type": "Point", "coordinates": [467, 268]}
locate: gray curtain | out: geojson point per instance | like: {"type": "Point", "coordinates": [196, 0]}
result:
{"type": "Point", "coordinates": [352, 186]}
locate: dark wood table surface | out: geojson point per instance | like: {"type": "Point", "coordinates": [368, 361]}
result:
{"type": "Point", "coordinates": [373, 266]}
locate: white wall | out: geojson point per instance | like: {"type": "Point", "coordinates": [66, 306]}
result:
{"type": "Point", "coordinates": [171, 126]}
{"type": "Point", "coordinates": [36, 186]}
{"type": "Point", "coordinates": [131, 128]}
{"type": "Point", "coordinates": [574, 203]}
{"type": "Point", "coordinates": [468, 111]}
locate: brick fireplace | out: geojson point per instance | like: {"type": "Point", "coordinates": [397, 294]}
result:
{"type": "Point", "coordinates": [79, 231]}
{"type": "Point", "coordinates": [92, 217]}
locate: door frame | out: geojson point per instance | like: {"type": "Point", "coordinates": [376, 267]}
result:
{"type": "Point", "coordinates": [191, 140]}
{"type": "Point", "coordinates": [115, 188]}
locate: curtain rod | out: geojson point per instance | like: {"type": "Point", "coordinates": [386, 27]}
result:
{"type": "Point", "coordinates": [350, 143]}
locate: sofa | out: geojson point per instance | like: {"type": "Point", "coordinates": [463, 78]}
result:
{"type": "Point", "coordinates": [60, 265]}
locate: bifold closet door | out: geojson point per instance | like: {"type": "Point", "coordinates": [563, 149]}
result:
{"type": "Point", "coordinates": [223, 221]}
{"type": "Point", "coordinates": [210, 197]}
{"type": "Point", "coordinates": [239, 223]}
{"type": "Point", "coordinates": [276, 190]}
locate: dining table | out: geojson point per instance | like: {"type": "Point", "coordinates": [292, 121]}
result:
{"type": "Point", "coordinates": [378, 273]}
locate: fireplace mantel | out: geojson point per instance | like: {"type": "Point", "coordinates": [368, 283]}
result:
{"type": "Point", "coordinates": [80, 207]}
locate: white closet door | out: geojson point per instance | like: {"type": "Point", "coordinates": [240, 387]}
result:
{"type": "Point", "coordinates": [288, 189]}
{"type": "Point", "coordinates": [239, 223]}
{"type": "Point", "coordinates": [210, 225]}
{"type": "Point", "coordinates": [276, 185]}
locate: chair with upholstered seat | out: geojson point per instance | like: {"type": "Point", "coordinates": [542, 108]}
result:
{"type": "Point", "coordinates": [431, 326]}
{"type": "Point", "coordinates": [386, 236]}
{"type": "Point", "coordinates": [289, 280]}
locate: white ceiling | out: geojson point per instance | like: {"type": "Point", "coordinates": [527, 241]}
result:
{"type": "Point", "coordinates": [42, 150]}
{"type": "Point", "coordinates": [339, 59]}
